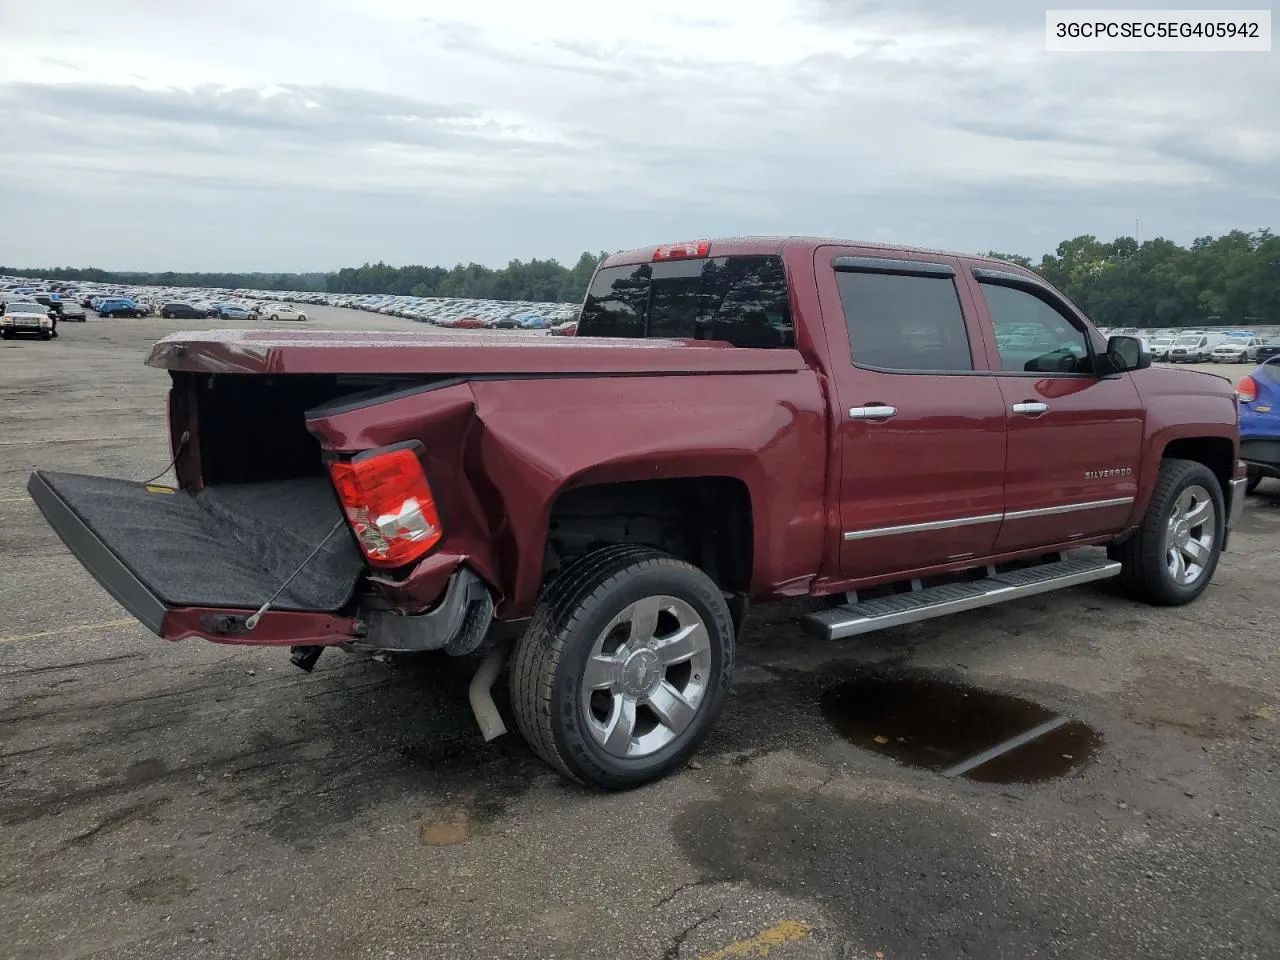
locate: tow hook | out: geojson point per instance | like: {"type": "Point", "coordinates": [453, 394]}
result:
{"type": "Point", "coordinates": [305, 657]}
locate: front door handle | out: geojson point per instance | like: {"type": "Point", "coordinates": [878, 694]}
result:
{"type": "Point", "coordinates": [1031, 408]}
{"type": "Point", "coordinates": [875, 411]}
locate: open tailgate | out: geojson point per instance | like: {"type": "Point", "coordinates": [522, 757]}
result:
{"type": "Point", "coordinates": [226, 548]}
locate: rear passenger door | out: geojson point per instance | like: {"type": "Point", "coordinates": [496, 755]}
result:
{"type": "Point", "coordinates": [1075, 440]}
{"type": "Point", "coordinates": [921, 432]}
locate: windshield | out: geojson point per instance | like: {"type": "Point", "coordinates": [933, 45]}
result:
{"type": "Point", "coordinates": [1235, 342]}
{"type": "Point", "coordinates": [1188, 341]}
{"type": "Point", "coordinates": [740, 300]}
{"type": "Point", "coordinates": [25, 308]}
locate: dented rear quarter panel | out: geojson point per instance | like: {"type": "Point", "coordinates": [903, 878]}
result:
{"type": "Point", "coordinates": [500, 450]}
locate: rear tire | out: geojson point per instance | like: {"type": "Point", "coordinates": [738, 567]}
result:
{"type": "Point", "coordinates": [624, 668]}
{"type": "Point", "coordinates": [1172, 557]}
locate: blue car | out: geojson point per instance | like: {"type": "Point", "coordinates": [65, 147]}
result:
{"type": "Point", "coordinates": [1259, 395]}
{"type": "Point", "coordinates": [229, 311]}
{"type": "Point", "coordinates": [118, 307]}
{"type": "Point", "coordinates": [532, 321]}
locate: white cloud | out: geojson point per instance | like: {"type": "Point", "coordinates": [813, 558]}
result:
{"type": "Point", "coordinates": [768, 115]}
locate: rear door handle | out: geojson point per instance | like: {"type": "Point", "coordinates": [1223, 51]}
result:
{"type": "Point", "coordinates": [1031, 408]}
{"type": "Point", "coordinates": [875, 411]}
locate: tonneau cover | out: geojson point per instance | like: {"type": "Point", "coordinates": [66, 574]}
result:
{"type": "Point", "coordinates": [428, 352]}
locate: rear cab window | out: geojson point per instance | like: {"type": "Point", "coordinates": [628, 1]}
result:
{"type": "Point", "coordinates": [741, 300]}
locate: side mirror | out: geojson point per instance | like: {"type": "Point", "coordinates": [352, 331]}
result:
{"type": "Point", "coordinates": [1125, 354]}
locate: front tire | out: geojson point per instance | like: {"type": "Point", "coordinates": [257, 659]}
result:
{"type": "Point", "coordinates": [1254, 476]}
{"type": "Point", "coordinates": [624, 668]}
{"type": "Point", "coordinates": [1172, 557]}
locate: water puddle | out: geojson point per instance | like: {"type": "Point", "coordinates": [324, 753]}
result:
{"type": "Point", "coordinates": [958, 731]}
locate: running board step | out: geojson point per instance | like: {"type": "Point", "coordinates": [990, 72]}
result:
{"type": "Point", "coordinates": [881, 613]}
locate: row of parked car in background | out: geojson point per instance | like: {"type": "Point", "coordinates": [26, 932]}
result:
{"type": "Point", "coordinates": [180, 303]}
{"type": "Point", "coordinates": [69, 301]}
{"type": "Point", "coordinates": [1207, 345]}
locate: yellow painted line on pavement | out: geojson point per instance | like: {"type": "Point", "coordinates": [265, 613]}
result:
{"type": "Point", "coordinates": [784, 931]}
{"type": "Point", "coordinates": [16, 500]}
{"type": "Point", "coordinates": [79, 628]}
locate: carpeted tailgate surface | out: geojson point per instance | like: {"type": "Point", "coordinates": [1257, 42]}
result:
{"type": "Point", "coordinates": [229, 546]}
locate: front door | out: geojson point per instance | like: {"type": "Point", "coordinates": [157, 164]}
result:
{"type": "Point", "coordinates": [921, 433]}
{"type": "Point", "coordinates": [1075, 440]}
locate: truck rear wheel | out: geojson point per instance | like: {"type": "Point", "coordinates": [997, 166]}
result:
{"type": "Point", "coordinates": [624, 668]}
{"type": "Point", "coordinates": [1172, 557]}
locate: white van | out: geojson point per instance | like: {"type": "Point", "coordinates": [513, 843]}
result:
{"type": "Point", "coordinates": [1194, 347]}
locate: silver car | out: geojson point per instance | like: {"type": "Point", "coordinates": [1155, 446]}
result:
{"type": "Point", "coordinates": [1236, 350]}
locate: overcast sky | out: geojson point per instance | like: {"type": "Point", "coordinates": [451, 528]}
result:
{"type": "Point", "coordinates": [256, 134]}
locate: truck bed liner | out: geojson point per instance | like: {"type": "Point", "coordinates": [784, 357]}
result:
{"type": "Point", "coordinates": [227, 547]}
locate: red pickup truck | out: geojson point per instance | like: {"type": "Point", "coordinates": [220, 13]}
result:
{"type": "Point", "coordinates": [897, 433]}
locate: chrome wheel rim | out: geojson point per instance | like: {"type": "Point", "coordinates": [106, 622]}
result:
{"type": "Point", "coordinates": [1190, 537]}
{"type": "Point", "coordinates": [646, 676]}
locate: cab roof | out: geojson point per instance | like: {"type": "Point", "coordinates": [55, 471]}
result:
{"type": "Point", "coordinates": [777, 245]}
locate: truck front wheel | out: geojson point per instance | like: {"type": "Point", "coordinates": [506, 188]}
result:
{"type": "Point", "coordinates": [624, 668]}
{"type": "Point", "coordinates": [1171, 558]}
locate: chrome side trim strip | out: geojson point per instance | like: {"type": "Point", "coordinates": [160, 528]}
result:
{"type": "Point", "coordinates": [1067, 508]}
{"type": "Point", "coordinates": [985, 518]}
{"type": "Point", "coordinates": [922, 527]}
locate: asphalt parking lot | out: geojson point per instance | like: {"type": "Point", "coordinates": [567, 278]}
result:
{"type": "Point", "coordinates": [203, 801]}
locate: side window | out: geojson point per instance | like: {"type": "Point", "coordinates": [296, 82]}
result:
{"type": "Point", "coordinates": [1032, 335]}
{"type": "Point", "coordinates": [904, 322]}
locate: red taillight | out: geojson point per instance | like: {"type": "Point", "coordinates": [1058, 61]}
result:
{"type": "Point", "coordinates": [389, 504]}
{"type": "Point", "coordinates": [1246, 390]}
{"type": "Point", "coordinates": [683, 251]}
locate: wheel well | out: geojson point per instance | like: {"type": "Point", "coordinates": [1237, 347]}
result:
{"type": "Point", "coordinates": [705, 521]}
{"type": "Point", "coordinates": [1216, 453]}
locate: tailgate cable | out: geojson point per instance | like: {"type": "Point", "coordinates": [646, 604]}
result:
{"type": "Point", "coordinates": [252, 620]}
{"type": "Point", "coordinates": [177, 452]}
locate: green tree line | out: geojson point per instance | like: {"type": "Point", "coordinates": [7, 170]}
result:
{"type": "Point", "coordinates": [538, 280]}
{"type": "Point", "coordinates": [1233, 279]}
